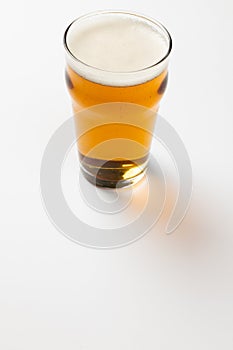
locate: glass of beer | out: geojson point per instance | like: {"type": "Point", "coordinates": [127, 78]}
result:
{"type": "Point", "coordinates": [116, 74]}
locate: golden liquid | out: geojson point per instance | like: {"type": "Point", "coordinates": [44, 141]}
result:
{"type": "Point", "coordinates": [115, 132]}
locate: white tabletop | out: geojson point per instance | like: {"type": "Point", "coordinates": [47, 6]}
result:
{"type": "Point", "coordinates": [162, 291]}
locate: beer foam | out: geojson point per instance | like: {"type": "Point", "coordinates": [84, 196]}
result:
{"type": "Point", "coordinates": [117, 49]}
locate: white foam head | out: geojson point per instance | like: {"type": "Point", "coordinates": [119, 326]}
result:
{"type": "Point", "coordinates": [116, 48]}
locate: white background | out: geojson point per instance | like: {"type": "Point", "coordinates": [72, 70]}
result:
{"type": "Point", "coordinates": [162, 292]}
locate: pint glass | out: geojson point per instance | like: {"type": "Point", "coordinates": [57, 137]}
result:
{"type": "Point", "coordinates": [116, 74]}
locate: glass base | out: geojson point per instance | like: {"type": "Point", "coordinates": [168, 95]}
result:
{"type": "Point", "coordinates": [114, 173]}
{"type": "Point", "coordinates": [110, 183]}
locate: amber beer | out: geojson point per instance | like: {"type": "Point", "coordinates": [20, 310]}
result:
{"type": "Point", "coordinates": [116, 75]}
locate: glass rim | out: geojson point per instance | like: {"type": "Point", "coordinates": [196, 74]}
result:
{"type": "Point", "coordinates": [135, 14]}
